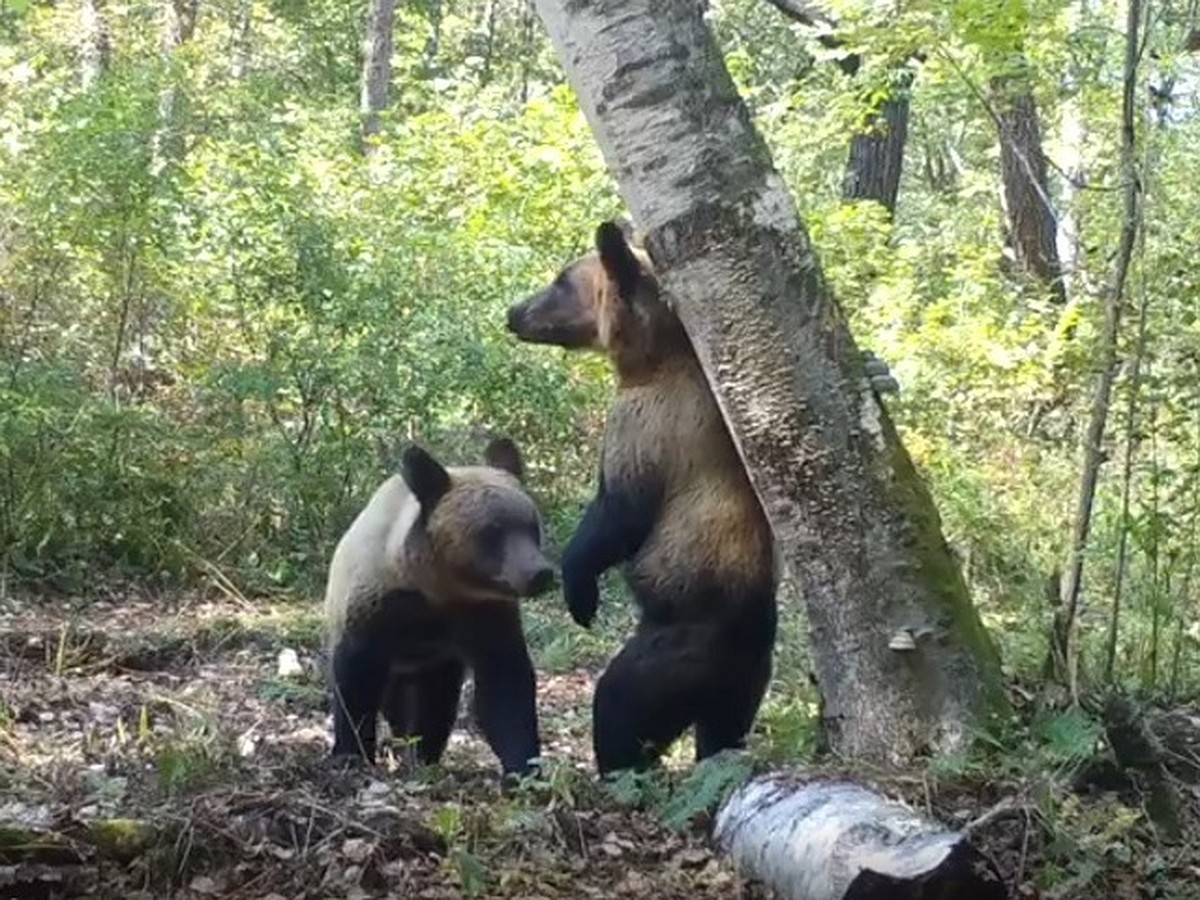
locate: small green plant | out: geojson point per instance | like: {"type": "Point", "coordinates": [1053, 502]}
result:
{"type": "Point", "coordinates": [704, 788]}
{"type": "Point", "coordinates": [183, 768]}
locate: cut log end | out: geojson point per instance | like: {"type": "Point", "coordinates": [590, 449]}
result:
{"type": "Point", "coordinates": [834, 840]}
{"type": "Point", "coordinates": [963, 873]}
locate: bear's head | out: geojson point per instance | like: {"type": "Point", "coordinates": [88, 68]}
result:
{"type": "Point", "coordinates": [479, 529]}
{"type": "Point", "coordinates": [608, 300]}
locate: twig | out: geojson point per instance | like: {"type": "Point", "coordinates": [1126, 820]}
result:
{"type": "Point", "coordinates": [1002, 810]}
{"type": "Point", "coordinates": [1024, 846]}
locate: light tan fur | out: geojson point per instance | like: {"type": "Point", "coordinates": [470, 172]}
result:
{"type": "Point", "coordinates": [711, 525]}
{"type": "Point", "coordinates": [665, 419]}
{"type": "Point", "coordinates": [357, 581]}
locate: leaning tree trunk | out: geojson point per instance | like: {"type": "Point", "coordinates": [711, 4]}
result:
{"type": "Point", "coordinates": [1029, 213]}
{"type": "Point", "coordinates": [377, 64]}
{"type": "Point", "coordinates": [902, 659]}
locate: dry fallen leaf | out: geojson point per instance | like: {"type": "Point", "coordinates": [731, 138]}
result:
{"type": "Point", "coordinates": [357, 850]}
{"type": "Point", "coordinates": [202, 884]}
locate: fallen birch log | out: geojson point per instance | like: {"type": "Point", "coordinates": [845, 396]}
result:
{"type": "Point", "coordinates": [835, 840]}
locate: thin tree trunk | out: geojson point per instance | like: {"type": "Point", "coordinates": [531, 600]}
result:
{"type": "Point", "coordinates": [1064, 638]}
{"type": "Point", "coordinates": [492, 16]}
{"type": "Point", "coordinates": [433, 44]}
{"type": "Point", "coordinates": [96, 44]}
{"type": "Point", "coordinates": [1031, 223]}
{"type": "Point", "coordinates": [377, 64]}
{"type": "Point", "coordinates": [243, 26]}
{"type": "Point", "coordinates": [1131, 410]}
{"type": "Point", "coordinates": [1073, 142]}
{"type": "Point", "coordinates": [901, 657]}
{"type": "Point", "coordinates": [179, 25]}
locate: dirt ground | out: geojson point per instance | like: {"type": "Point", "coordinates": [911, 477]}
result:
{"type": "Point", "coordinates": [155, 750]}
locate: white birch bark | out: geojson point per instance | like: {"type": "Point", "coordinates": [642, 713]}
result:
{"type": "Point", "coordinates": [902, 660]}
{"type": "Point", "coordinates": [95, 46]}
{"type": "Point", "coordinates": [834, 840]}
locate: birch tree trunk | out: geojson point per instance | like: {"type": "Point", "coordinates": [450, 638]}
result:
{"type": "Point", "coordinates": [179, 25]}
{"type": "Point", "coordinates": [901, 657]}
{"type": "Point", "coordinates": [377, 64]}
{"type": "Point", "coordinates": [835, 840]}
{"type": "Point", "coordinates": [243, 26]}
{"type": "Point", "coordinates": [95, 44]}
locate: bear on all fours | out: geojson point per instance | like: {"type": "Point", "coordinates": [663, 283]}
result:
{"type": "Point", "coordinates": [425, 584]}
{"type": "Point", "coordinates": [674, 504]}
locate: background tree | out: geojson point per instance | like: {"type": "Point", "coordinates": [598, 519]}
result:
{"type": "Point", "coordinates": [377, 64]}
{"type": "Point", "coordinates": [876, 155]}
{"type": "Point", "coordinates": [94, 47]}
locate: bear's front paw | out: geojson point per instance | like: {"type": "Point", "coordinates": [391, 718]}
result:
{"type": "Point", "coordinates": [583, 598]}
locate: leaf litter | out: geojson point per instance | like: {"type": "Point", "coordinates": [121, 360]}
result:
{"type": "Point", "coordinates": [152, 750]}
{"type": "Point", "coordinates": [177, 747]}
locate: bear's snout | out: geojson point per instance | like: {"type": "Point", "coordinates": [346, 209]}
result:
{"type": "Point", "coordinates": [541, 581]}
{"type": "Point", "coordinates": [515, 316]}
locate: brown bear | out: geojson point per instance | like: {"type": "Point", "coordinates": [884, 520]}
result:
{"type": "Point", "coordinates": [675, 505]}
{"type": "Point", "coordinates": [425, 583]}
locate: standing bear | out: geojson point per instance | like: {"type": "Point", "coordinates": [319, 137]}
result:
{"type": "Point", "coordinates": [674, 504]}
{"type": "Point", "coordinates": [425, 583]}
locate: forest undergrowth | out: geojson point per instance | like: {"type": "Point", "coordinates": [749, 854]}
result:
{"type": "Point", "coordinates": [155, 745]}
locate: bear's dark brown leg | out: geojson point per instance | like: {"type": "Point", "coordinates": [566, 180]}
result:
{"type": "Point", "coordinates": [650, 693]}
{"type": "Point", "coordinates": [360, 671]}
{"type": "Point", "coordinates": [505, 684]}
{"type": "Point", "coordinates": [438, 692]}
{"type": "Point", "coordinates": [729, 712]}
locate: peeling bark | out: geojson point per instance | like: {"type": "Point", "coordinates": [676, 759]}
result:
{"type": "Point", "coordinates": [902, 660]}
{"type": "Point", "coordinates": [833, 840]}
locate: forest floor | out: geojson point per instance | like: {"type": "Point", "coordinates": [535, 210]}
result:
{"type": "Point", "coordinates": [154, 750]}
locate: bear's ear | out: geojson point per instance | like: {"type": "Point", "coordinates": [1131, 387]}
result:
{"type": "Point", "coordinates": [616, 257]}
{"type": "Point", "coordinates": [502, 453]}
{"type": "Point", "coordinates": [425, 476]}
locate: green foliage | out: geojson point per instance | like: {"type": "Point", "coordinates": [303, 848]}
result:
{"type": "Point", "coordinates": [220, 317]}
{"type": "Point", "coordinates": [311, 308]}
{"type": "Point", "coordinates": [704, 788]}
{"type": "Point", "coordinates": [677, 803]}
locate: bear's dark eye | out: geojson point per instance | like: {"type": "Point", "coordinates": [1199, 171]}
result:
{"type": "Point", "coordinates": [490, 539]}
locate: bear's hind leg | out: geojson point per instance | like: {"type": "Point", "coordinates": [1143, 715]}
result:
{"type": "Point", "coordinates": [729, 712]}
{"type": "Point", "coordinates": [420, 707]}
{"type": "Point", "coordinates": [649, 695]}
{"type": "Point", "coordinates": [438, 692]}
